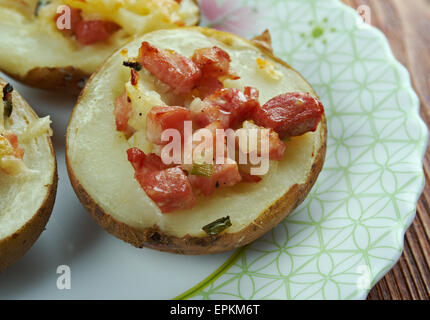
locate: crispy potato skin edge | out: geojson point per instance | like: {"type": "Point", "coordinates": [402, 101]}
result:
{"type": "Point", "coordinates": [155, 238]}
{"type": "Point", "coordinates": [17, 244]}
{"type": "Point", "coordinates": [65, 79]}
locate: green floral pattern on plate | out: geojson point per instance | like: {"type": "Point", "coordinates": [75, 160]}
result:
{"type": "Point", "coordinates": [349, 231]}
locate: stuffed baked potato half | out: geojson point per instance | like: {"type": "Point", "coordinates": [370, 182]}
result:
{"type": "Point", "coordinates": [28, 175]}
{"type": "Point", "coordinates": [50, 47]}
{"type": "Point", "coordinates": [197, 74]}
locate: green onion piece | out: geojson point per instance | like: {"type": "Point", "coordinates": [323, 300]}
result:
{"type": "Point", "coordinates": [39, 5]}
{"type": "Point", "coordinates": [7, 100]}
{"type": "Point", "coordinates": [133, 64]}
{"type": "Point", "coordinates": [8, 107]}
{"type": "Point", "coordinates": [217, 226]}
{"type": "Point", "coordinates": [202, 169]}
{"type": "Point", "coordinates": [6, 90]}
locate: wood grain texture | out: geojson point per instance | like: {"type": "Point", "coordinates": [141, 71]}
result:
{"type": "Point", "coordinates": [407, 26]}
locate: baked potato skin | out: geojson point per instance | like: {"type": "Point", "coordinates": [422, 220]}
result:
{"type": "Point", "coordinates": [17, 244]}
{"type": "Point", "coordinates": [67, 79]}
{"type": "Point", "coordinates": [155, 238]}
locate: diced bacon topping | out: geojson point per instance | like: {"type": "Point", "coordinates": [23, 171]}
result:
{"type": "Point", "coordinates": [123, 110]}
{"type": "Point", "coordinates": [145, 163]}
{"type": "Point", "coordinates": [290, 114]}
{"type": "Point", "coordinates": [134, 80]}
{"type": "Point", "coordinates": [214, 107]}
{"type": "Point", "coordinates": [75, 18]}
{"type": "Point", "coordinates": [224, 175]}
{"type": "Point", "coordinates": [208, 86]}
{"type": "Point", "coordinates": [169, 188]}
{"type": "Point", "coordinates": [175, 70]}
{"type": "Point", "coordinates": [229, 105]}
{"type": "Point", "coordinates": [94, 31]}
{"type": "Point", "coordinates": [276, 147]}
{"type": "Point", "coordinates": [204, 113]}
{"type": "Point", "coordinates": [240, 106]}
{"type": "Point", "coordinates": [13, 140]}
{"type": "Point", "coordinates": [88, 32]}
{"type": "Point", "coordinates": [163, 118]}
{"type": "Point", "coordinates": [214, 64]}
{"type": "Point", "coordinates": [249, 178]}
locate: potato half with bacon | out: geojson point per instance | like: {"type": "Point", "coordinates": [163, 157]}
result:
{"type": "Point", "coordinates": [57, 44]}
{"type": "Point", "coordinates": [28, 175]}
{"type": "Point", "coordinates": [191, 81]}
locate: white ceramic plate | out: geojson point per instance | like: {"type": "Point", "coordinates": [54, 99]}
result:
{"type": "Point", "coordinates": [345, 236]}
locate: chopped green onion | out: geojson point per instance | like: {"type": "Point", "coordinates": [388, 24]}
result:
{"type": "Point", "coordinates": [39, 5]}
{"type": "Point", "coordinates": [202, 169]}
{"type": "Point", "coordinates": [6, 90]}
{"type": "Point", "coordinates": [133, 64]}
{"type": "Point", "coordinates": [217, 226]}
{"type": "Point", "coordinates": [8, 108]}
{"type": "Point", "coordinates": [7, 100]}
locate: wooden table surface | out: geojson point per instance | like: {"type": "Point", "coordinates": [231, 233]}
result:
{"type": "Point", "coordinates": [406, 23]}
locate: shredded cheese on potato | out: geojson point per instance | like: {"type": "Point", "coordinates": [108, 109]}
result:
{"type": "Point", "coordinates": [136, 16]}
{"type": "Point", "coordinates": [142, 103]}
{"type": "Point", "coordinates": [9, 162]}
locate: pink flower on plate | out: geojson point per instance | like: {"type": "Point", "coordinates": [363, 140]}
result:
{"type": "Point", "coordinates": [229, 15]}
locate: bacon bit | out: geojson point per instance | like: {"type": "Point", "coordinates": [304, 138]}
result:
{"type": "Point", "coordinates": [276, 147]}
{"type": "Point", "coordinates": [162, 118]}
{"type": "Point", "coordinates": [290, 114]}
{"type": "Point", "coordinates": [94, 31]}
{"type": "Point", "coordinates": [123, 110]}
{"type": "Point", "coordinates": [175, 70]}
{"type": "Point", "coordinates": [142, 162]}
{"type": "Point", "coordinates": [169, 188]}
{"type": "Point", "coordinates": [13, 140]}
{"type": "Point", "coordinates": [229, 105]}
{"type": "Point", "coordinates": [134, 77]}
{"type": "Point", "coordinates": [214, 64]}
{"type": "Point", "coordinates": [249, 178]}
{"type": "Point", "coordinates": [252, 94]}
{"type": "Point", "coordinates": [224, 175]}
{"type": "Point", "coordinates": [208, 86]}
{"type": "Point", "coordinates": [204, 113]}
{"type": "Point", "coordinates": [88, 32]}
